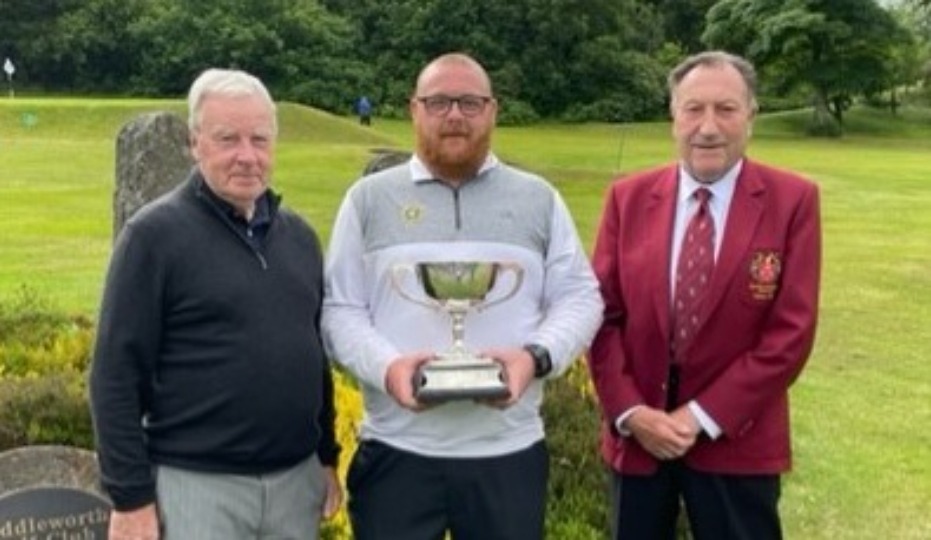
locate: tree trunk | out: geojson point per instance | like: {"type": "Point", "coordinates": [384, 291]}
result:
{"type": "Point", "coordinates": [823, 121]}
{"type": "Point", "coordinates": [837, 109]}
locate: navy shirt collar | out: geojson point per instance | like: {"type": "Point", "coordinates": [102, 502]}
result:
{"type": "Point", "coordinates": [253, 231]}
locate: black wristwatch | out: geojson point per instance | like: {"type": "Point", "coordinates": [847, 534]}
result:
{"type": "Point", "coordinates": [542, 363]}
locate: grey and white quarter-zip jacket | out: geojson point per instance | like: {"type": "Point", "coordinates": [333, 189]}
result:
{"type": "Point", "coordinates": [402, 216]}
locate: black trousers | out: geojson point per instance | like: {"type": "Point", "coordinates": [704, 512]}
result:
{"type": "Point", "coordinates": [719, 507]}
{"type": "Point", "coordinates": [397, 495]}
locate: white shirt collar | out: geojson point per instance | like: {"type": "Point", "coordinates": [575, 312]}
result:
{"type": "Point", "coordinates": [721, 190]}
{"type": "Point", "coordinates": [420, 172]}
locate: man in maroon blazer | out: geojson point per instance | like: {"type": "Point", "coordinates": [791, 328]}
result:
{"type": "Point", "coordinates": [703, 415]}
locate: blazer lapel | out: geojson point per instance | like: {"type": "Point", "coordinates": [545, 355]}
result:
{"type": "Point", "coordinates": [660, 214]}
{"type": "Point", "coordinates": [743, 218]}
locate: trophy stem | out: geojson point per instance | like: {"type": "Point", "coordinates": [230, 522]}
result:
{"type": "Point", "coordinates": [458, 317]}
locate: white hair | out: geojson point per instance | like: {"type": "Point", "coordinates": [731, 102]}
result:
{"type": "Point", "coordinates": [225, 82]}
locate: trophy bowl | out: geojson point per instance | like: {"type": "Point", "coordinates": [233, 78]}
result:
{"type": "Point", "coordinates": [458, 287]}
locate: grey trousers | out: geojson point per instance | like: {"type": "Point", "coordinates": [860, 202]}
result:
{"type": "Point", "coordinates": [284, 505]}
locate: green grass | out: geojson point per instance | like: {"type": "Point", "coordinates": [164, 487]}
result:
{"type": "Point", "coordinates": [862, 407]}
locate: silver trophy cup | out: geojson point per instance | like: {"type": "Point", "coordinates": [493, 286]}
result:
{"type": "Point", "coordinates": [458, 287]}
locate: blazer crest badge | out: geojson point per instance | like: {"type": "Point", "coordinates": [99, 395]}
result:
{"type": "Point", "coordinates": [765, 268]}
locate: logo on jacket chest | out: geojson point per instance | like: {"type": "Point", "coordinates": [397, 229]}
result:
{"type": "Point", "coordinates": [765, 267]}
{"type": "Point", "coordinates": [412, 213]}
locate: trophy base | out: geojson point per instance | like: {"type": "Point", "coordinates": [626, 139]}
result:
{"type": "Point", "coordinates": [460, 377]}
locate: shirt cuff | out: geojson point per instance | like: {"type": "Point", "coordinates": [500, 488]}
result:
{"type": "Point", "coordinates": [708, 425]}
{"type": "Point", "coordinates": [619, 423]}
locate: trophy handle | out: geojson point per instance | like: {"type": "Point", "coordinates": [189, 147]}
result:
{"type": "Point", "coordinates": [397, 273]}
{"type": "Point", "coordinates": [503, 268]}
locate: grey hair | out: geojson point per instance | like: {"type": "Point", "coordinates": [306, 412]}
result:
{"type": "Point", "coordinates": [229, 83]}
{"type": "Point", "coordinates": [714, 59]}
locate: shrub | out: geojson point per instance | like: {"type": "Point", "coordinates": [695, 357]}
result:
{"type": "Point", "coordinates": [64, 348]}
{"type": "Point", "coordinates": [620, 107]}
{"type": "Point", "coordinates": [49, 409]}
{"type": "Point", "coordinates": [792, 102]}
{"type": "Point", "coordinates": [578, 498]}
{"type": "Point", "coordinates": [30, 321]}
{"type": "Point", "coordinates": [43, 390]}
{"type": "Point", "coordinates": [348, 417]}
{"type": "Point", "coordinates": [44, 357]}
{"type": "Point", "coordinates": [822, 124]}
{"type": "Point", "coordinates": [516, 113]}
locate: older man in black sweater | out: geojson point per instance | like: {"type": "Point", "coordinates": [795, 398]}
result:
{"type": "Point", "coordinates": [211, 393]}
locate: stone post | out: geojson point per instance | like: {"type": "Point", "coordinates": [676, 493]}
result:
{"type": "Point", "coordinates": [152, 156]}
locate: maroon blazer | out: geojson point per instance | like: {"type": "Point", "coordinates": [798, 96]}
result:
{"type": "Point", "coordinates": [756, 333]}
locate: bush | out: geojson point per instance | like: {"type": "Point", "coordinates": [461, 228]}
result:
{"type": "Point", "coordinates": [578, 498]}
{"type": "Point", "coordinates": [512, 112]}
{"type": "Point", "coordinates": [50, 409]}
{"type": "Point", "coordinates": [770, 104]}
{"type": "Point", "coordinates": [348, 417]}
{"type": "Point", "coordinates": [44, 358]}
{"type": "Point", "coordinates": [824, 126]}
{"type": "Point", "coordinates": [43, 390]}
{"type": "Point", "coordinates": [619, 107]}
{"type": "Point", "coordinates": [30, 321]}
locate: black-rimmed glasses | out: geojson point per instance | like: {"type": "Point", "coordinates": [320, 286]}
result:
{"type": "Point", "coordinates": [440, 105]}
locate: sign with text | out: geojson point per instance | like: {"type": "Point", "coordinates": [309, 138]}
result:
{"type": "Point", "coordinates": [53, 513]}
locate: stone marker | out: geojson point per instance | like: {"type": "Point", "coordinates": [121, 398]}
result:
{"type": "Point", "coordinates": [63, 466]}
{"type": "Point", "coordinates": [53, 513]}
{"type": "Point", "coordinates": [385, 158]}
{"type": "Point", "coordinates": [51, 493]}
{"type": "Point", "coordinates": [153, 155]}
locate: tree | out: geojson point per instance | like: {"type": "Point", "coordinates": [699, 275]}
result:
{"type": "Point", "coordinates": [551, 57]}
{"type": "Point", "coordinates": [28, 30]}
{"type": "Point", "coordinates": [839, 49]}
{"type": "Point", "coordinates": [683, 21]}
{"type": "Point", "coordinates": [917, 15]}
{"type": "Point", "coordinates": [573, 59]}
{"type": "Point", "coordinates": [93, 47]}
{"type": "Point", "coordinates": [301, 51]}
